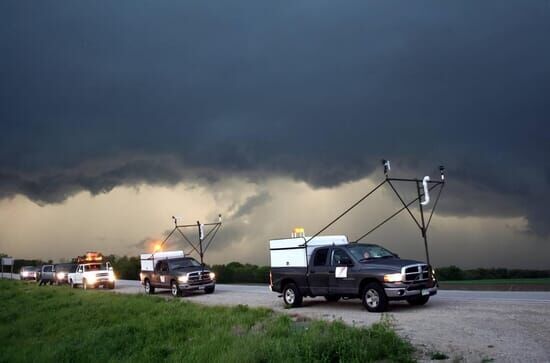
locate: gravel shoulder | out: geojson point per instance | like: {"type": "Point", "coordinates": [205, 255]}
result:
{"type": "Point", "coordinates": [471, 326]}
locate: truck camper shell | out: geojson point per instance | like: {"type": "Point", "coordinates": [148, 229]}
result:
{"type": "Point", "coordinates": [292, 252]}
{"type": "Point", "coordinates": [149, 260]}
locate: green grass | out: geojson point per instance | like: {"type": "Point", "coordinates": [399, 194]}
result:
{"type": "Point", "coordinates": [539, 281]}
{"type": "Point", "coordinates": [58, 324]}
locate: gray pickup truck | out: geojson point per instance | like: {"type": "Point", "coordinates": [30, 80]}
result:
{"type": "Point", "coordinates": [183, 274]}
{"type": "Point", "coordinates": [366, 271]}
{"type": "Point", "coordinates": [45, 274]}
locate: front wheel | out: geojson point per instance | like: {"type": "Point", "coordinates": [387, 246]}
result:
{"type": "Point", "coordinates": [150, 290]}
{"type": "Point", "coordinates": [374, 298]}
{"type": "Point", "coordinates": [292, 296]}
{"type": "Point", "coordinates": [418, 300]}
{"type": "Point", "coordinates": [174, 289]}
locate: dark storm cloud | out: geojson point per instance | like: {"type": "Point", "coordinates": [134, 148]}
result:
{"type": "Point", "coordinates": [103, 94]}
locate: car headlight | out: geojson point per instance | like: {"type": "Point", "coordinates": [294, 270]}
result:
{"type": "Point", "coordinates": [61, 275]}
{"type": "Point", "coordinates": [183, 279]}
{"type": "Point", "coordinates": [24, 274]}
{"type": "Point", "coordinates": [212, 276]}
{"type": "Point", "coordinates": [393, 277]}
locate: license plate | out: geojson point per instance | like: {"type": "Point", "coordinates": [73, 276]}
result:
{"type": "Point", "coordinates": [201, 287]}
{"type": "Point", "coordinates": [425, 292]}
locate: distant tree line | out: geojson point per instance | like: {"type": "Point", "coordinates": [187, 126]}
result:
{"type": "Point", "coordinates": [453, 273]}
{"type": "Point", "coordinates": [236, 272]}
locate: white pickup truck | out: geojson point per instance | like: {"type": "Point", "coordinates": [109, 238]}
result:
{"type": "Point", "coordinates": [92, 275]}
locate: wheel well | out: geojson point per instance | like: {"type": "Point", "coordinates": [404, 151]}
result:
{"type": "Point", "coordinates": [364, 283]}
{"type": "Point", "coordinates": [286, 282]}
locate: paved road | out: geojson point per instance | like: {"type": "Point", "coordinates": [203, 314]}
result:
{"type": "Point", "coordinates": [469, 325]}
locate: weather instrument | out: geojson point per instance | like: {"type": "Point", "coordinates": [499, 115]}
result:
{"type": "Point", "coordinates": [205, 239]}
{"type": "Point", "coordinates": [424, 187]}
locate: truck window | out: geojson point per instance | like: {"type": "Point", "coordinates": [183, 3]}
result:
{"type": "Point", "coordinates": [340, 257]}
{"type": "Point", "coordinates": [48, 269]}
{"type": "Point", "coordinates": [320, 258]}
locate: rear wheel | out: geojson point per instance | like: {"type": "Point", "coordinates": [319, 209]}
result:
{"type": "Point", "coordinates": [292, 296]}
{"type": "Point", "coordinates": [418, 300]}
{"type": "Point", "coordinates": [374, 298]}
{"type": "Point", "coordinates": [174, 289]}
{"type": "Point", "coordinates": [148, 288]}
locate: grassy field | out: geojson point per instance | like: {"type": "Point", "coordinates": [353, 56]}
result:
{"type": "Point", "coordinates": [50, 323]}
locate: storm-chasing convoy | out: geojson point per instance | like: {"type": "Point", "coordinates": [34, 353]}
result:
{"type": "Point", "coordinates": [320, 265]}
{"type": "Point", "coordinates": [327, 266]}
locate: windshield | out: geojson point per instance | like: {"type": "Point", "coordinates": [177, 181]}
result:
{"type": "Point", "coordinates": [95, 267]}
{"type": "Point", "coordinates": [369, 252]}
{"type": "Point", "coordinates": [183, 263]}
{"type": "Point", "coordinates": [28, 268]}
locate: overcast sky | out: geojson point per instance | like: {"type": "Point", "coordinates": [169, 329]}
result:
{"type": "Point", "coordinates": [117, 115]}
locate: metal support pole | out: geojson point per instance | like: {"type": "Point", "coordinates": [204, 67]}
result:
{"type": "Point", "coordinates": [200, 243]}
{"type": "Point", "coordinates": [423, 223]}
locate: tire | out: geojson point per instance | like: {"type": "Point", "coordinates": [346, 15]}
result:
{"type": "Point", "coordinates": [418, 300]}
{"type": "Point", "coordinates": [174, 289]}
{"type": "Point", "coordinates": [210, 289]}
{"type": "Point", "coordinates": [332, 298]}
{"type": "Point", "coordinates": [374, 298]}
{"type": "Point", "coordinates": [292, 295]}
{"type": "Point", "coordinates": [150, 290]}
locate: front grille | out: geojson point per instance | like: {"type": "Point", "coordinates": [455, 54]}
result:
{"type": "Point", "coordinates": [199, 277]}
{"type": "Point", "coordinates": [102, 274]}
{"type": "Point", "coordinates": [415, 273]}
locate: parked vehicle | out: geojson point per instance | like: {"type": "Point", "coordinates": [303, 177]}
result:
{"type": "Point", "coordinates": [92, 272]}
{"type": "Point", "coordinates": [62, 271]}
{"type": "Point", "coordinates": [172, 270]}
{"type": "Point", "coordinates": [27, 273]}
{"type": "Point", "coordinates": [331, 267]}
{"type": "Point", "coordinates": [45, 275]}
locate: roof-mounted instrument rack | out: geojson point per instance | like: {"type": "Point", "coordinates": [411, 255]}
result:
{"type": "Point", "coordinates": [423, 186]}
{"type": "Point", "coordinates": [199, 246]}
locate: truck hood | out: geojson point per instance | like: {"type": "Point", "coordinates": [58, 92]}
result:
{"type": "Point", "coordinates": [393, 264]}
{"type": "Point", "coordinates": [186, 270]}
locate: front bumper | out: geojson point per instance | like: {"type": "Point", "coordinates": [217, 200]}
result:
{"type": "Point", "coordinates": [402, 292]}
{"type": "Point", "coordinates": [195, 287]}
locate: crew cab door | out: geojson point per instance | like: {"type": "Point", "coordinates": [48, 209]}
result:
{"type": "Point", "coordinates": [78, 275]}
{"type": "Point", "coordinates": [161, 276]}
{"type": "Point", "coordinates": [341, 277]}
{"type": "Point", "coordinates": [319, 271]}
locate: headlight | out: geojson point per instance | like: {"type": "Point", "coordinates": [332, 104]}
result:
{"type": "Point", "coordinates": [183, 279]}
{"type": "Point", "coordinates": [393, 277]}
{"type": "Point", "coordinates": [24, 274]}
{"type": "Point", "coordinates": [61, 275]}
{"type": "Point", "coordinates": [212, 276]}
